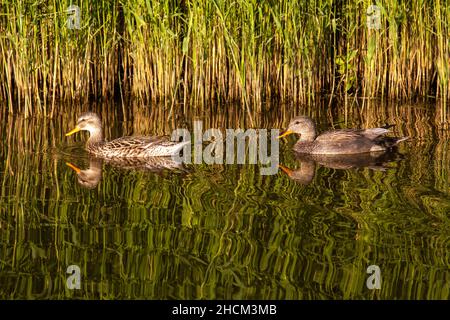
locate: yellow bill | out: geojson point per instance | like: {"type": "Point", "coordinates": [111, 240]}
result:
{"type": "Point", "coordinates": [77, 128]}
{"type": "Point", "coordinates": [287, 132]}
{"type": "Point", "coordinates": [76, 169]}
{"type": "Point", "coordinates": [286, 170]}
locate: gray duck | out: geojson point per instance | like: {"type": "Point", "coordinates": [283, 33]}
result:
{"type": "Point", "coordinates": [344, 141]}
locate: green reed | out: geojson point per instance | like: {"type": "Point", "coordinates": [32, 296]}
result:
{"type": "Point", "coordinates": [197, 51]}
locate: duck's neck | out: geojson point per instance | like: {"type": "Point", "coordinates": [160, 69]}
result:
{"type": "Point", "coordinates": [309, 136]}
{"type": "Point", "coordinates": [305, 143]}
{"type": "Point", "coordinates": [308, 132]}
{"type": "Point", "coordinates": [95, 137]}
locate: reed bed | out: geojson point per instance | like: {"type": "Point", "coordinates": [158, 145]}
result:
{"type": "Point", "coordinates": [193, 52]}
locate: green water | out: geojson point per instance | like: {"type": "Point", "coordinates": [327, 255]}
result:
{"type": "Point", "coordinates": [223, 231]}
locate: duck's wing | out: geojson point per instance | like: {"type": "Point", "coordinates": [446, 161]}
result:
{"type": "Point", "coordinates": [352, 134]}
{"type": "Point", "coordinates": [374, 133]}
{"type": "Point", "coordinates": [341, 136]}
{"type": "Point", "coordinates": [136, 141]}
{"type": "Point", "coordinates": [137, 146]}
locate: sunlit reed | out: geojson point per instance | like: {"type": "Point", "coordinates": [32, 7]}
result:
{"type": "Point", "coordinates": [193, 52]}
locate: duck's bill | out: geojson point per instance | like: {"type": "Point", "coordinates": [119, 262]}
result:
{"type": "Point", "coordinates": [285, 170]}
{"type": "Point", "coordinates": [77, 128]}
{"type": "Point", "coordinates": [76, 169]}
{"type": "Point", "coordinates": [286, 133]}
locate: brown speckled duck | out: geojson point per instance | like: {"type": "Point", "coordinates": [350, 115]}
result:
{"type": "Point", "coordinates": [345, 141]}
{"type": "Point", "coordinates": [125, 147]}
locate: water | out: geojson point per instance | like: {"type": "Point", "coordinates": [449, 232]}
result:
{"type": "Point", "coordinates": [223, 231]}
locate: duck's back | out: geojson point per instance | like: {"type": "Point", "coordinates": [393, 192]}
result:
{"type": "Point", "coordinates": [136, 147]}
{"type": "Point", "coordinates": [344, 141]}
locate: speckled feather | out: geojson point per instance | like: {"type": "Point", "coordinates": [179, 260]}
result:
{"type": "Point", "coordinates": [135, 147]}
{"type": "Point", "coordinates": [125, 147]}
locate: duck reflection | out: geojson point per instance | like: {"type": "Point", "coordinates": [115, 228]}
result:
{"type": "Point", "coordinates": [303, 175]}
{"type": "Point", "coordinates": [374, 160]}
{"type": "Point", "coordinates": [90, 177]}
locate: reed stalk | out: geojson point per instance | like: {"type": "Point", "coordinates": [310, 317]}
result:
{"type": "Point", "coordinates": [196, 52]}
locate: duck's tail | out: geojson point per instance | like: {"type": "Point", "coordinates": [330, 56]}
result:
{"type": "Point", "coordinates": [374, 133]}
{"type": "Point", "coordinates": [391, 142]}
{"type": "Point", "coordinates": [178, 146]}
{"type": "Point", "coordinates": [388, 126]}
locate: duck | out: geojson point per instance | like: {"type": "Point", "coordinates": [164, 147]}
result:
{"type": "Point", "coordinates": [124, 147]}
{"type": "Point", "coordinates": [344, 141]}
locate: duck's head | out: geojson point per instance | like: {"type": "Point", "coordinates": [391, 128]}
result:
{"type": "Point", "coordinates": [303, 126]}
{"type": "Point", "coordinates": [88, 121]}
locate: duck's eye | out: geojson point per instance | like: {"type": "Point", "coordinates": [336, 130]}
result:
{"type": "Point", "coordinates": [297, 122]}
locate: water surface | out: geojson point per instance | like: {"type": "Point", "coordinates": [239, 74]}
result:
{"type": "Point", "coordinates": [223, 231]}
